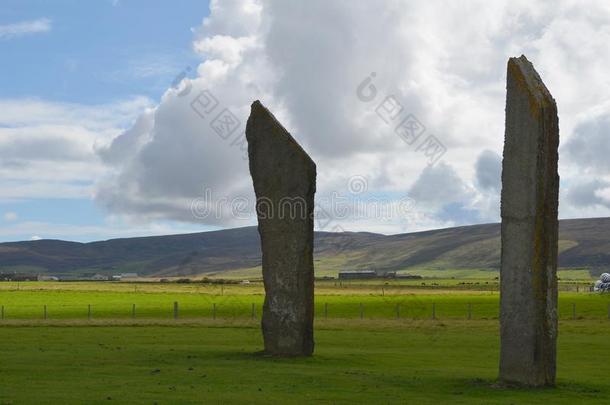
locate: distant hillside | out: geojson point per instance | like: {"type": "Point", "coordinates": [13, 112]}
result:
{"type": "Point", "coordinates": [584, 243]}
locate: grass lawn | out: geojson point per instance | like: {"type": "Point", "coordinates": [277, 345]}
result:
{"type": "Point", "coordinates": [355, 361]}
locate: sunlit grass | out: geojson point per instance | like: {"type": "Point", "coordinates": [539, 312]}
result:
{"type": "Point", "coordinates": [351, 300]}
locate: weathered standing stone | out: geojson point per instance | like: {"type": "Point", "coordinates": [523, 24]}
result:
{"type": "Point", "coordinates": [530, 186]}
{"type": "Point", "coordinates": [284, 179]}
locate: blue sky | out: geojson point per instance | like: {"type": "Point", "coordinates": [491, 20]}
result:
{"type": "Point", "coordinates": [98, 51]}
{"type": "Point", "coordinates": [89, 53]}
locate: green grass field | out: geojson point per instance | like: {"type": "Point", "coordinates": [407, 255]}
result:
{"type": "Point", "coordinates": [447, 300]}
{"type": "Point", "coordinates": [355, 361]}
{"type": "Point", "coordinates": [154, 358]}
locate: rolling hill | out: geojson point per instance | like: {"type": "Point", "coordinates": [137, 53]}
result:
{"type": "Point", "coordinates": [584, 244]}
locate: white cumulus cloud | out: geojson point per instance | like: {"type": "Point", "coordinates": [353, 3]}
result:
{"type": "Point", "coordinates": [22, 28]}
{"type": "Point", "coordinates": [444, 64]}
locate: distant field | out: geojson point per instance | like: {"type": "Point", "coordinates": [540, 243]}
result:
{"type": "Point", "coordinates": [442, 299]}
{"type": "Point", "coordinates": [330, 266]}
{"type": "Point", "coordinates": [422, 362]}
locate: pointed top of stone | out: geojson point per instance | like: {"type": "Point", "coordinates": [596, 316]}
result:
{"type": "Point", "coordinates": [523, 73]}
{"type": "Point", "coordinates": [265, 123]}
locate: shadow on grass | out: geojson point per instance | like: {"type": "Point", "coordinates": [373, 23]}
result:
{"type": "Point", "coordinates": [562, 387]}
{"type": "Point", "coordinates": [316, 362]}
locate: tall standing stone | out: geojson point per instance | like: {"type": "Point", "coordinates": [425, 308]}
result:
{"type": "Point", "coordinates": [530, 187]}
{"type": "Point", "coordinates": [284, 179]}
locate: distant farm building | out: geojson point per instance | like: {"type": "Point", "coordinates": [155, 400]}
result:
{"type": "Point", "coordinates": [370, 274]}
{"type": "Point", "coordinates": [357, 275]}
{"type": "Point", "coordinates": [47, 278]}
{"type": "Point", "coordinates": [129, 275]}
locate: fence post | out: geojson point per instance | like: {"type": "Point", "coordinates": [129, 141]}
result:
{"type": "Point", "coordinates": [433, 310]}
{"type": "Point", "coordinates": [397, 311]}
{"type": "Point", "coordinates": [45, 312]}
{"type": "Point", "coordinates": [576, 287]}
{"type": "Point", "coordinates": [253, 313]}
{"type": "Point", "coordinates": [214, 311]}
{"type": "Point", "coordinates": [89, 312]}
{"type": "Point", "coordinates": [469, 311]}
{"type": "Point", "coordinates": [326, 310]}
{"type": "Point", "coordinates": [573, 310]}
{"type": "Point", "coordinates": [361, 311]}
{"type": "Point", "coordinates": [133, 311]}
{"type": "Point", "coordinates": [175, 309]}
{"type": "Point", "coordinates": [2, 315]}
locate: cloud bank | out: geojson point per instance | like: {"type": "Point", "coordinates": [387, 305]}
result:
{"type": "Point", "coordinates": [365, 87]}
{"type": "Point", "coordinates": [48, 150]}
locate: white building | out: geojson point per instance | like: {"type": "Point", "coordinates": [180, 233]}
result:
{"type": "Point", "coordinates": [47, 278]}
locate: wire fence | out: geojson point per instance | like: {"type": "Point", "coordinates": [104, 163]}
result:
{"type": "Point", "coordinates": [323, 310]}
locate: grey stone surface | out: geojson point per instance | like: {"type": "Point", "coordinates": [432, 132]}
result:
{"type": "Point", "coordinates": [284, 179]}
{"type": "Point", "coordinates": [530, 186]}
